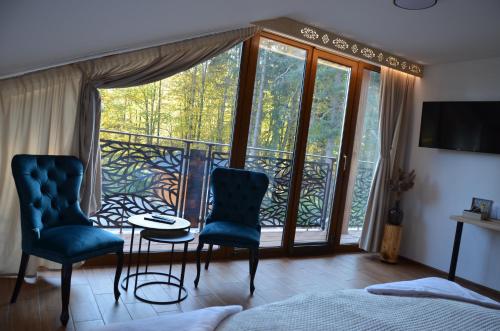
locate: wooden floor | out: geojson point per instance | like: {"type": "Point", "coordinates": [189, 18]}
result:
{"type": "Point", "coordinates": [92, 303]}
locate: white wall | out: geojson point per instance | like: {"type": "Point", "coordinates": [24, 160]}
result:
{"type": "Point", "coordinates": [447, 180]}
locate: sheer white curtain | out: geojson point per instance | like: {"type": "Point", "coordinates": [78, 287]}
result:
{"type": "Point", "coordinates": [37, 116]}
{"type": "Point", "coordinates": [395, 102]}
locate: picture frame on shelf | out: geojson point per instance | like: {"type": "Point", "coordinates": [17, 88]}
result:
{"type": "Point", "coordinates": [482, 206]}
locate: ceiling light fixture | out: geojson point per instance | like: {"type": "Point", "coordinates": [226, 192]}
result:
{"type": "Point", "coordinates": [415, 4]}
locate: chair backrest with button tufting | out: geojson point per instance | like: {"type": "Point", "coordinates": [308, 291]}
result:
{"type": "Point", "coordinates": [48, 188]}
{"type": "Point", "coordinates": [237, 195]}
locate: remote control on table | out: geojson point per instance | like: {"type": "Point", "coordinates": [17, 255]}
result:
{"type": "Point", "coordinates": [160, 218]}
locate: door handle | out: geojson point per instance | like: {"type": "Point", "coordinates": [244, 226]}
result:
{"type": "Point", "coordinates": [345, 162]}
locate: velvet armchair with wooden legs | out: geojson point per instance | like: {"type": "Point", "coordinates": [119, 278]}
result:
{"type": "Point", "coordinates": [234, 220]}
{"type": "Point", "coordinates": [52, 224]}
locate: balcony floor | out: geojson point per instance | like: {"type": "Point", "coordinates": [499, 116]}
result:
{"type": "Point", "coordinates": [269, 238]}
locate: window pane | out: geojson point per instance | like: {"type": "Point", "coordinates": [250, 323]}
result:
{"type": "Point", "coordinates": [324, 140]}
{"type": "Point", "coordinates": [160, 141]}
{"type": "Point", "coordinates": [275, 111]}
{"type": "Point", "coordinates": [364, 158]}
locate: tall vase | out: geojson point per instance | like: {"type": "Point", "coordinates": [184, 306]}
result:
{"type": "Point", "coordinates": [395, 214]}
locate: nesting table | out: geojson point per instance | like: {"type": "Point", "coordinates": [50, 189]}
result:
{"type": "Point", "coordinates": [153, 231]}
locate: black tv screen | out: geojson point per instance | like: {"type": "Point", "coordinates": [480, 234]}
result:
{"type": "Point", "coordinates": [461, 126]}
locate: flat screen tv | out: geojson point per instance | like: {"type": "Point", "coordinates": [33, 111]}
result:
{"type": "Point", "coordinates": [462, 126]}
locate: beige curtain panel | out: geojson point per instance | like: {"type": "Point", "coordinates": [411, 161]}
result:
{"type": "Point", "coordinates": [395, 103]}
{"type": "Point", "coordinates": [58, 111]}
{"type": "Point", "coordinates": [38, 114]}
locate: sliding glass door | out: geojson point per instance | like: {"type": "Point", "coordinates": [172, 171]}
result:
{"type": "Point", "coordinates": [324, 161]}
{"type": "Point", "coordinates": [365, 153]}
{"type": "Point", "coordinates": [278, 88]}
{"type": "Point", "coordinates": [299, 133]}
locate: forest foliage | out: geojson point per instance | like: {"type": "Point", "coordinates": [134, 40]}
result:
{"type": "Point", "coordinates": [199, 103]}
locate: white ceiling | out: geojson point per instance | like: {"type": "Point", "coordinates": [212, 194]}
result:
{"type": "Point", "coordinates": [36, 34]}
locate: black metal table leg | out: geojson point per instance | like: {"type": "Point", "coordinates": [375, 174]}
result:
{"type": "Point", "coordinates": [130, 257]}
{"type": "Point", "coordinates": [137, 266]}
{"type": "Point", "coordinates": [456, 249]}
{"type": "Point", "coordinates": [147, 257]}
{"type": "Point", "coordinates": [171, 261]}
{"type": "Point", "coordinates": [183, 270]}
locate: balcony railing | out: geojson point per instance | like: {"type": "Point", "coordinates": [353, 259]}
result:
{"type": "Point", "coordinates": [144, 174]}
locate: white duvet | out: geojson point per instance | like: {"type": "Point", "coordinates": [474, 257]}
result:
{"type": "Point", "coordinates": [408, 305]}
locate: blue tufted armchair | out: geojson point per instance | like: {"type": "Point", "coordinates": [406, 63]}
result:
{"type": "Point", "coordinates": [234, 220]}
{"type": "Point", "coordinates": [52, 224]}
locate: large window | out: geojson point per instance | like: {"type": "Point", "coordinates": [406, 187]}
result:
{"type": "Point", "coordinates": [160, 141]}
{"type": "Point", "coordinates": [295, 109]}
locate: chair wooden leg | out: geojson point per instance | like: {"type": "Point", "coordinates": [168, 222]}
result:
{"type": "Point", "coordinates": [254, 261]}
{"type": "Point", "coordinates": [66, 271]}
{"type": "Point", "coordinates": [198, 262]}
{"type": "Point", "coordinates": [118, 273]}
{"type": "Point", "coordinates": [209, 256]}
{"type": "Point", "coordinates": [256, 257]}
{"type": "Point", "coordinates": [20, 276]}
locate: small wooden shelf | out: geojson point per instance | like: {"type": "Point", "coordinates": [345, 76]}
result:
{"type": "Point", "coordinates": [488, 224]}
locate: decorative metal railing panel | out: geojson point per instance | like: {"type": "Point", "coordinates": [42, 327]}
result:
{"type": "Point", "coordinates": [314, 192]}
{"type": "Point", "coordinates": [139, 178]}
{"type": "Point", "coordinates": [156, 175]}
{"type": "Point", "coordinates": [362, 186]}
{"type": "Point", "coordinates": [274, 204]}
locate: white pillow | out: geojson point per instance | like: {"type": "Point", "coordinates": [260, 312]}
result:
{"type": "Point", "coordinates": [433, 287]}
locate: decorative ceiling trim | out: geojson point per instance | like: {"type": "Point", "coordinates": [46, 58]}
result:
{"type": "Point", "coordinates": [339, 44]}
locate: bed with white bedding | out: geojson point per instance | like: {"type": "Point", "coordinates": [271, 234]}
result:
{"type": "Point", "coordinates": [424, 304]}
{"type": "Point", "coordinates": [360, 310]}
